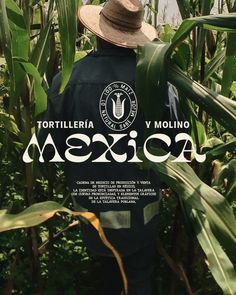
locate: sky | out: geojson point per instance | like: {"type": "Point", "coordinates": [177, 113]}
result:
{"type": "Point", "coordinates": [172, 11]}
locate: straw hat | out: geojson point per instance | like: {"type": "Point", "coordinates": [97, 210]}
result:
{"type": "Point", "coordinates": [119, 22]}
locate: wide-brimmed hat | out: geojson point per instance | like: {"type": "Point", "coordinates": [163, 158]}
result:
{"type": "Point", "coordinates": [119, 22]}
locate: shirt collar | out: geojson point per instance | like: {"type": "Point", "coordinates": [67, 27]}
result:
{"type": "Point", "coordinates": [119, 51]}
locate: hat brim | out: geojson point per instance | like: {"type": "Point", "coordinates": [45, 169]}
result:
{"type": "Point", "coordinates": [89, 16]}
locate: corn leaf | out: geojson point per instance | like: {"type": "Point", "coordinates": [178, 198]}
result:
{"type": "Point", "coordinates": [224, 23]}
{"type": "Point", "coordinates": [226, 178]}
{"type": "Point", "coordinates": [41, 50]}
{"type": "Point", "coordinates": [211, 102]}
{"type": "Point", "coordinates": [20, 37]}
{"type": "Point", "coordinates": [206, 6]}
{"type": "Point", "coordinates": [198, 133]}
{"type": "Point", "coordinates": [198, 195]}
{"type": "Point", "coordinates": [5, 37]}
{"type": "Point", "coordinates": [199, 198]}
{"type": "Point", "coordinates": [221, 149]}
{"type": "Point", "coordinates": [9, 123]}
{"type": "Point", "coordinates": [40, 97]}
{"type": "Point", "coordinates": [229, 70]}
{"type": "Point", "coordinates": [213, 65]}
{"type": "Point", "coordinates": [40, 212]}
{"type": "Point", "coordinates": [67, 28]}
{"type": "Point", "coordinates": [182, 56]}
{"type": "Point", "coordinates": [220, 265]}
{"type": "Point", "coordinates": [184, 8]}
{"type": "Point", "coordinates": [151, 82]}
{"type": "Point", "coordinates": [20, 44]}
{"type": "Point", "coordinates": [150, 86]}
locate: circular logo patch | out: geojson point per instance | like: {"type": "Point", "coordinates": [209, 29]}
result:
{"type": "Point", "coordinates": [118, 106]}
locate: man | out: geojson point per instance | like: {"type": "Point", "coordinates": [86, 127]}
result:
{"type": "Point", "coordinates": [104, 177]}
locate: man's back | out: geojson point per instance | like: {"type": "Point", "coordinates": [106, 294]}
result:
{"type": "Point", "coordinates": [100, 97]}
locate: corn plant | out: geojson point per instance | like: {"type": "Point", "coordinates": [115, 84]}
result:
{"type": "Point", "coordinates": [200, 55]}
{"type": "Point", "coordinates": [34, 37]}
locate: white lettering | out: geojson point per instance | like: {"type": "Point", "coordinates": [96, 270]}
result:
{"type": "Point", "coordinates": [48, 141]}
{"type": "Point", "coordinates": [77, 159]}
{"type": "Point", "coordinates": [149, 156]}
{"type": "Point", "coordinates": [84, 142]}
{"type": "Point", "coordinates": [117, 157]}
{"type": "Point", "coordinates": [181, 158]}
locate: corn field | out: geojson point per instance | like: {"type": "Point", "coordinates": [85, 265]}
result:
{"type": "Point", "coordinates": [40, 241]}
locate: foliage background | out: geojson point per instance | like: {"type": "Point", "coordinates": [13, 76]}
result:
{"type": "Point", "coordinates": [51, 258]}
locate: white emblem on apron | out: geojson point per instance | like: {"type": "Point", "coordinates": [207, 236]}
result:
{"type": "Point", "coordinates": [118, 106]}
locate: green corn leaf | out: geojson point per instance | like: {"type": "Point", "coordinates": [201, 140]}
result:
{"type": "Point", "coordinates": [184, 8]}
{"type": "Point", "coordinates": [220, 265]}
{"type": "Point", "coordinates": [206, 6]}
{"type": "Point", "coordinates": [229, 70]}
{"type": "Point", "coordinates": [9, 123]}
{"type": "Point", "coordinates": [226, 178]}
{"type": "Point", "coordinates": [198, 195]}
{"type": "Point", "coordinates": [224, 23]}
{"type": "Point", "coordinates": [40, 212]}
{"type": "Point", "coordinates": [20, 43]}
{"type": "Point", "coordinates": [233, 88]}
{"type": "Point", "coordinates": [151, 82]}
{"type": "Point", "coordinates": [80, 54]}
{"type": "Point", "coordinates": [41, 50]}
{"type": "Point", "coordinates": [20, 38]}
{"type": "Point", "coordinates": [198, 54]}
{"type": "Point", "coordinates": [67, 20]}
{"type": "Point", "coordinates": [167, 34]}
{"type": "Point", "coordinates": [214, 64]}
{"type": "Point", "coordinates": [198, 133]}
{"type": "Point", "coordinates": [5, 37]}
{"type": "Point", "coordinates": [221, 149]}
{"type": "Point", "coordinates": [182, 56]}
{"type": "Point", "coordinates": [214, 104]}
{"type": "Point", "coordinates": [197, 129]}
{"type": "Point", "coordinates": [212, 143]}
{"type": "Point", "coordinates": [40, 96]}
{"type": "Point", "coordinates": [31, 216]}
